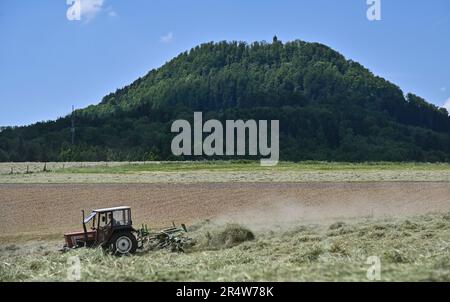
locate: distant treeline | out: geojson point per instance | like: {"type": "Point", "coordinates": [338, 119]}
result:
{"type": "Point", "coordinates": [329, 108]}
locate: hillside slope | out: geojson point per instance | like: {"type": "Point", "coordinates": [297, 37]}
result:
{"type": "Point", "coordinates": [329, 108]}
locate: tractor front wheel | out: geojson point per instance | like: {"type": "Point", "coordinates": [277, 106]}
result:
{"type": "Point", "coordinates": [123, 243]}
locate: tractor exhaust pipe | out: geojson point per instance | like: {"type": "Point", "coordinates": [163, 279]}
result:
{"type": "Point", "coordinates": [84, 229]}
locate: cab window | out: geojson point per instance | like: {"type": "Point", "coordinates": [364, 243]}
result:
{"type": "Point", "coordinates": [103, 220]}
{"type": "Point", "coordinates": [121, 217]}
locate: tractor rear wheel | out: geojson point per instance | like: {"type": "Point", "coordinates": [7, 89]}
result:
{"type": "Point", "coordinates": [123, 243]}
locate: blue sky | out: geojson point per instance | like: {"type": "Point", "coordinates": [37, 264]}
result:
{"type": "Point", "coordinates": [48, 63]}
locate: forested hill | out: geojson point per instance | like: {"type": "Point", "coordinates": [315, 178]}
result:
{"type": "Point", "coordinates": [329, 108]}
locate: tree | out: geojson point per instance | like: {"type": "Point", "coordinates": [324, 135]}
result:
{"type": "Point", "coordinates": [329, 108]}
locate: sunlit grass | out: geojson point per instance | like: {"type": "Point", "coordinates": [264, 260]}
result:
{"type": "Point", "coordinates": [413, 249]}
{"type": "Point", "coordinates": [242, 166]}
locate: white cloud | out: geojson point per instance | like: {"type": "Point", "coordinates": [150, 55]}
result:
{"type": "Point", "coordinates": [167, 38]}
{"type": "Point", "coordinates": [90, 8]}
{"type": "Point", "coordinates": [447, 105]}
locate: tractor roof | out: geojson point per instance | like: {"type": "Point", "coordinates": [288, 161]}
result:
{"type": "Point", "coordinates": [111, 209]}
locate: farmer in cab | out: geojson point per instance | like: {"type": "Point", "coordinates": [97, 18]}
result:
{"type": "Point", "coordinates": [111, 219]}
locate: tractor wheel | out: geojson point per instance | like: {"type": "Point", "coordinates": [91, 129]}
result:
{"type": "Point", "coordinates": [123, 243]}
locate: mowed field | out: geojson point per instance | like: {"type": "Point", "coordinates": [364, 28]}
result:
{"type": "Point", "coordinates": [42, 209]}
{"type": "Point", "coordinates": [311, 221]}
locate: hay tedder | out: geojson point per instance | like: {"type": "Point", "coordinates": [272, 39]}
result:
{"type": "Point", "coordinates": [112, 229]}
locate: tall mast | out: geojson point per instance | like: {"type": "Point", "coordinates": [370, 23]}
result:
{"type": "Point", "coordinates": [72, 128]}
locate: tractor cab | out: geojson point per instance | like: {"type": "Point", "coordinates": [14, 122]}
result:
{"type": "Point", "coordinates": [110, 228]}
{"type": "Point", "coordinates": [109, 218]}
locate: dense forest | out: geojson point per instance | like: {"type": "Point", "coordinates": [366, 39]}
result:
{"type": "Point", "coordinates": [329, 108]}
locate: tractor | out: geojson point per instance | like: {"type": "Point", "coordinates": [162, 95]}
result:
{"type": "Point", "coordinates": [112, 229]}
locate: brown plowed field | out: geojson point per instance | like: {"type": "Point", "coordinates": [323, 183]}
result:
{"type": "Point", "coordinates": [55, 208]}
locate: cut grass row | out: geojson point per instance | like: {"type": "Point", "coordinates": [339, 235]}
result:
{"type": "Point", "coordinates": [414, 249]}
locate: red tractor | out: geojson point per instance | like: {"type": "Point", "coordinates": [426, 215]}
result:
{"type": "Point", "coordinates": [112, 229]}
